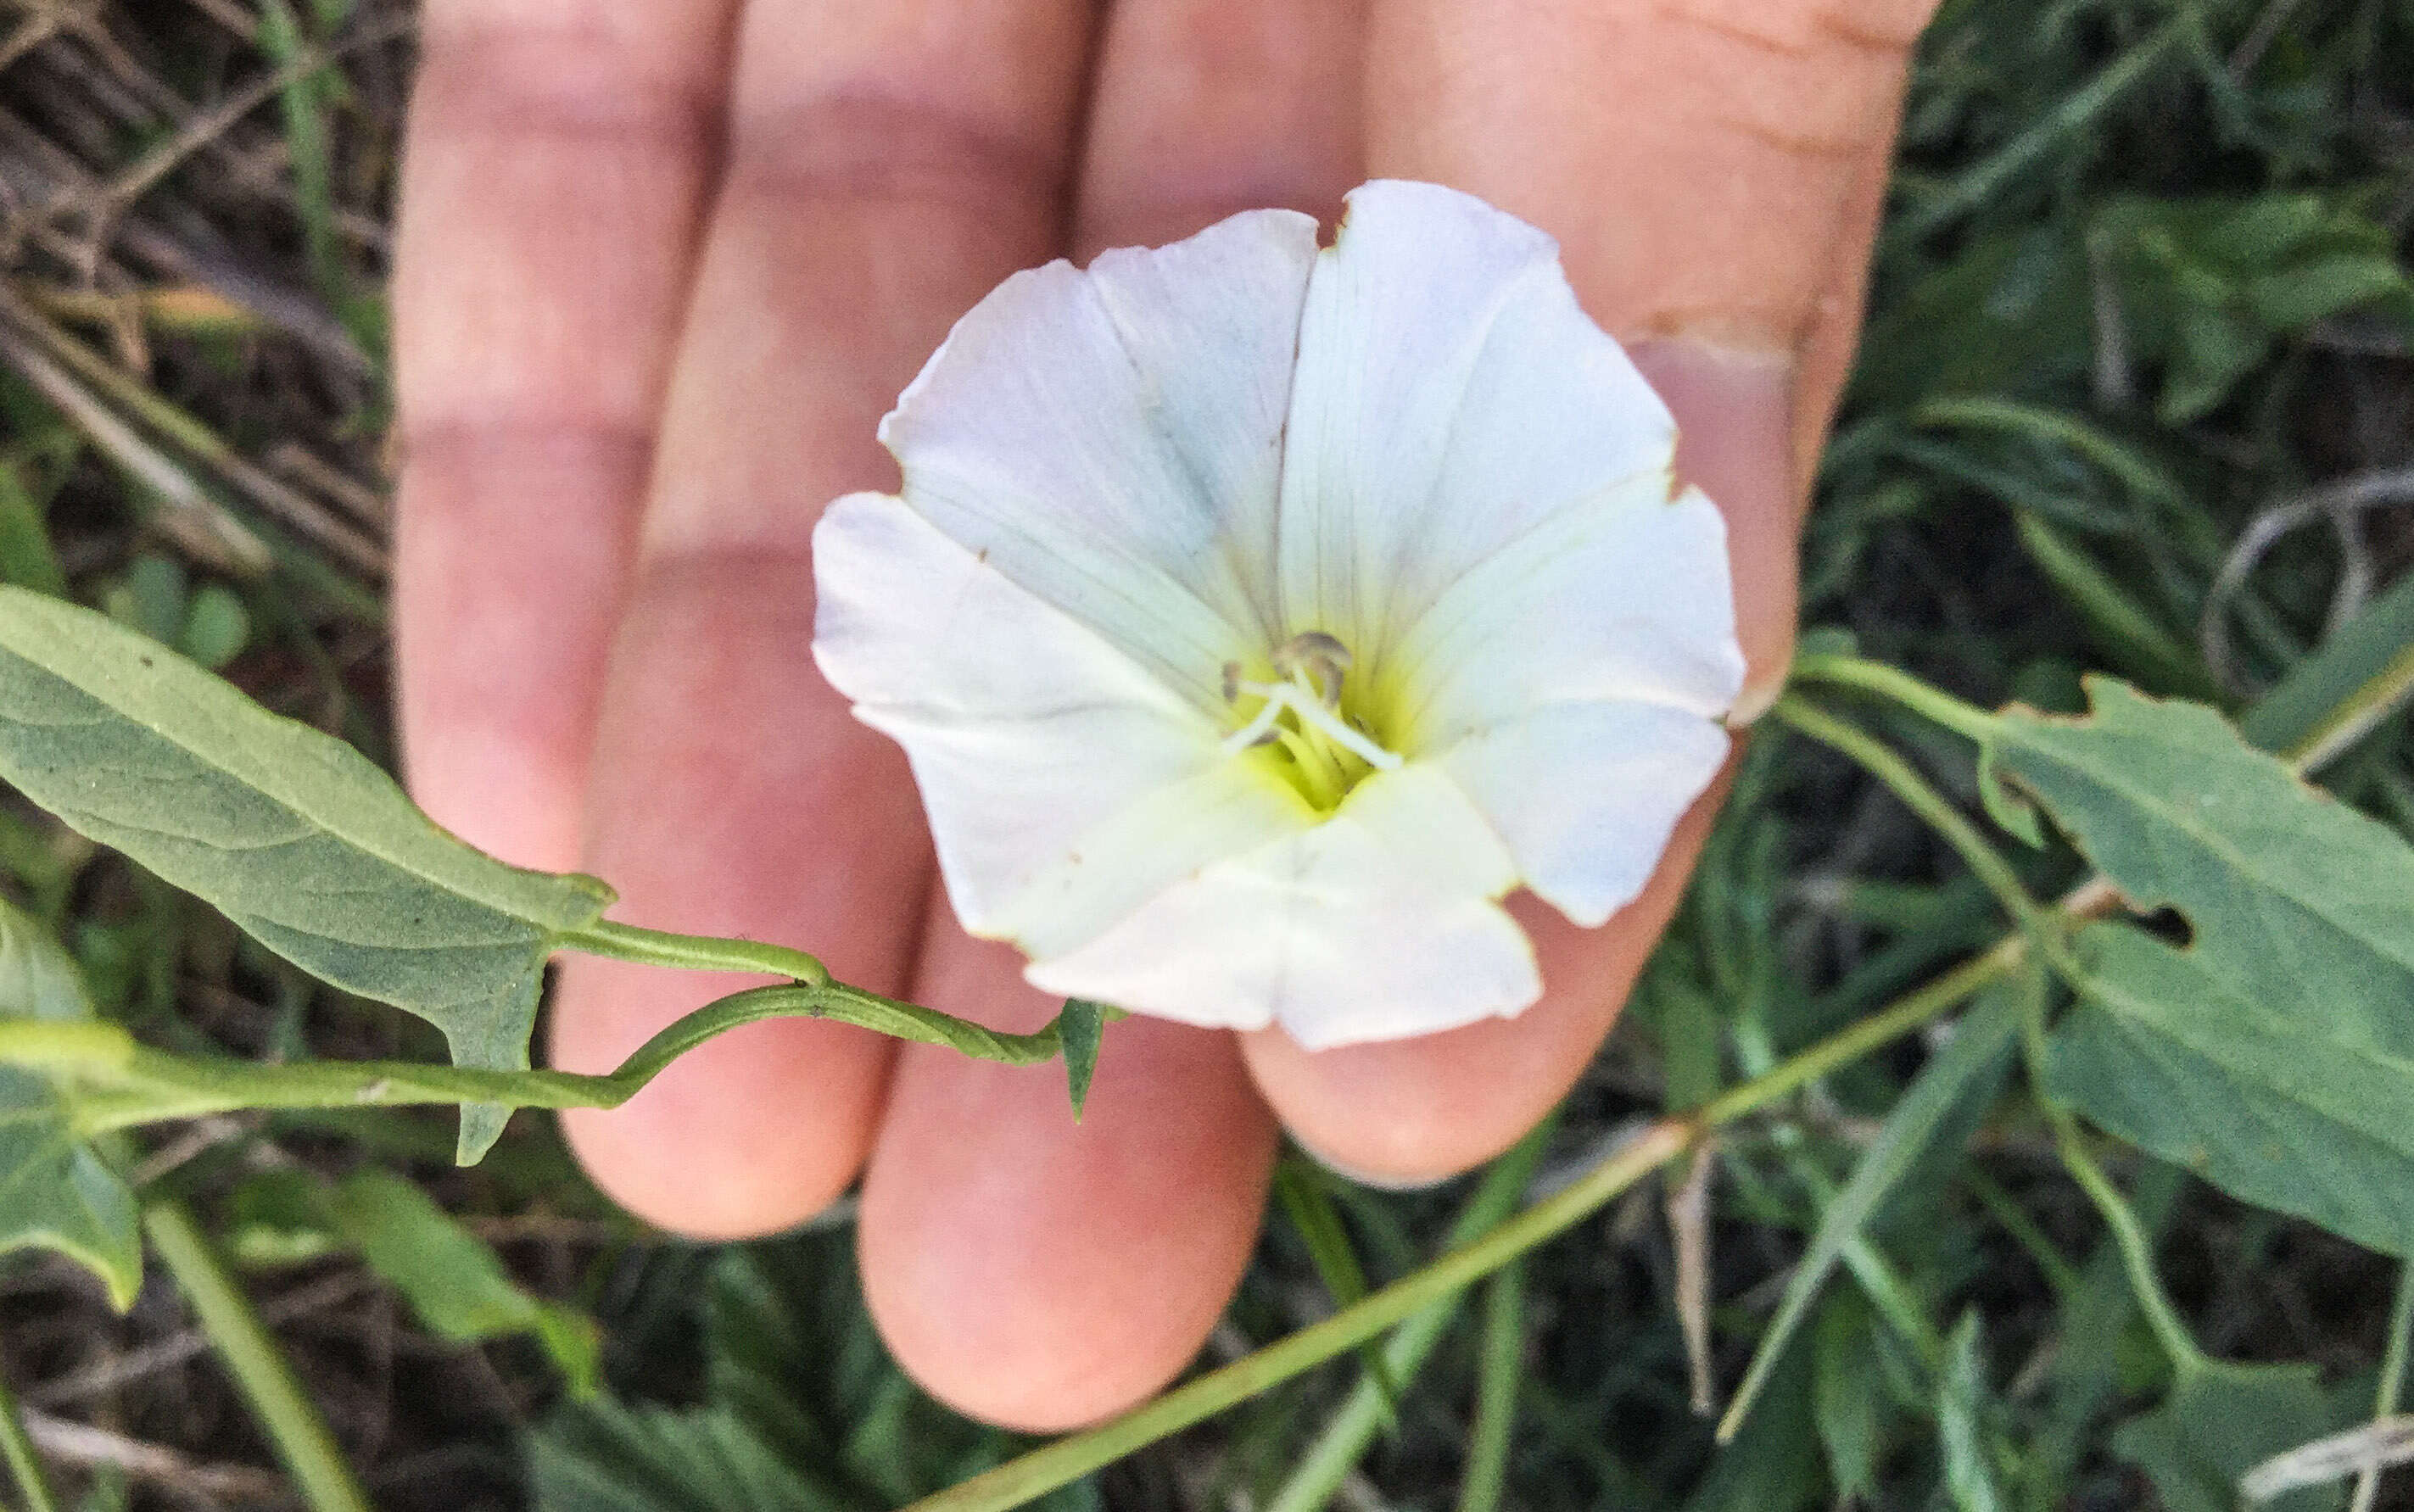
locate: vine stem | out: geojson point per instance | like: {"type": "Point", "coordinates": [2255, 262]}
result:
{"type": "Point", "coordinates": [1920, 796]}
{"type": "Point", "coordinates": [124, 1082]}
{"type": "Point", "coordinates": [295, 1428]}
{"type": "Point", "coordinates": [695, 953]}
{"type": "Point", "coordinates": [1961, 718]}
{"type": "Point", "coordinates": [1352, 1427]}
{"type": "Point", "coordinates": [2136, 1250]}
{"type": "Point", "coordinates": [1067, 1460]}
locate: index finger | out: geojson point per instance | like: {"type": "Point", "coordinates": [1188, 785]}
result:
{"type": "Point", "coordinates": [558, 157]}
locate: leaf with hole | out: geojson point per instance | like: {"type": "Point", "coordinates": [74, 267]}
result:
{"type": "Point", "coordinates": [2275, 1057]}
{"type": "Point", "coordinates": [293, 834]}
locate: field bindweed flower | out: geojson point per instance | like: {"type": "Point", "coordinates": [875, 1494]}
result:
{"type": "Point", "coordinates": [1255, 616]}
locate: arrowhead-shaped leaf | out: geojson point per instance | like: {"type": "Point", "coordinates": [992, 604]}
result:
{"type": "Point", "coordinates": [2275, 1056]}
{"type": "Point", "coordinates": [55, 1192]}
{"type": "Point", "coordinates": [293, 834]}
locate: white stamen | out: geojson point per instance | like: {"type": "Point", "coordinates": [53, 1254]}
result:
{"type": "Point", "coordinates": [1311, 710]}
{"type": "Point", "coordinates": [1256, 728]}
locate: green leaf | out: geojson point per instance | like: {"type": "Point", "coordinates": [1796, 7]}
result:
{"type": "Point", "coordinates": [2299, 296]}
{"type": "Point", "coordinates": [1773, 1464]}
{"type": "Point", "coordinates": [451, 1280]}
{"type": "Point", "coordinates": [2266, 1101]}
{"type": "Point", "coordinates": [25, 554]}
{"type": "Point", "coordinates": [1960, 1426]}
{"type": "Point", "coordinates": [1080, 1028]}
{"type": "Point", "coordinates": [215, 627]}
{"type": "Point", "coordinates": [2274, 1057]}
{"type": "Point", "coordinates": [2219, 1422]}
{"type": "Point", "coordinates": [1963, 1076]}
{"type": "Point", "coordinates": [38, 979]}
{"type": "Point", "coordinates": [2298, 898]}
{"type": "Point", "coordinates": [55, 1193]}
{"type": "Point", "coordinates": [2327, 689]}
{"type": "Point", "coordinates": [1846, 1401]}
{"type": "Point", "coordinates": [294, 836]}
{"type": "Point", "coordinates": [2011, 812]}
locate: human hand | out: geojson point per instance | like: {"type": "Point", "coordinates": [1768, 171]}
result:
{"type": "Point", "coordinates": [662, 267]}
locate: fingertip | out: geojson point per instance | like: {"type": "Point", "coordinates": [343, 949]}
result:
{"type": "Point", "coordinates": [1042, 1273]}
{"type": "Point", "coordinates": [1404, 1113]}
{"type": "Point", "coordinates": [1735, 441]}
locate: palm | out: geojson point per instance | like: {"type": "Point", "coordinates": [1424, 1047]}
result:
{"type": "Point", "coordinates": [663, 267]}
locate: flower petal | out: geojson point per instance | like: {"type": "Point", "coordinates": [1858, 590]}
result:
{"type": "Point", "coordinates": [1377, 924]}
{"type": "Point", "coordinates": [1451, 396]}
{"type": "Point", "coordinates": [1586, 795]}
{"type": "Point", "coordinates": [1623, 598]}
{"type": "Point", "coordinates": [1112, 440]}
{"type": "Point", "coordinates": [1026, 730]}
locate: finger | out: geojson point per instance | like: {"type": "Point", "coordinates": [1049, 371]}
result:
{"type": "Point", "coordinates": [887, 166]}
{"type": "Point", "coordinates": [1039, 1272]}
{"type": "Point", "coordinates": [1027, 1269]}
{"type": "Point", "coordinates": [1404, 1112]}
{"type": "Point", "coordinates": [1710, 169]}
{"type": "Point", "coordinates": [560, 152]}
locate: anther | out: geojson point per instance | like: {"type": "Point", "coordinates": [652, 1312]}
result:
{"type": "Point", "coordinates": [1321, 656]}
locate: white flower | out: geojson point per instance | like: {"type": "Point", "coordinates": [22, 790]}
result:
{"type": "Point", "coordinates": [1255, 616]}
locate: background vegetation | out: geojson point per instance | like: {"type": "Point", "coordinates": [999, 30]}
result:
{"type": "Point", "coordinates": [2136, 395]}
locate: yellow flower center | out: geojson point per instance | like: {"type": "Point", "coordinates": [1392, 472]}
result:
{"type": "Point", "coordinates": [1298, 724]}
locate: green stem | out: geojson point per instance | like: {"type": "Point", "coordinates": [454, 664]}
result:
{"type": "Point", "coordinates": [18, 1450]}
{"type": "Point", "coordinates": [1866, 1035]}
{"type": "Point", "coordinates": [1313, 1480]}
{"type": "Point", "coordinates": [1067, 1460]}
{"type": "Point", "coordinates": [1890, 682]}
{"type": "Point", "coordinates": [295, 1429]}
{"type": "Point", "coordinates": [117, 1082]}
{"type": "Point", "coordinates": [1917, 793]}
{"type": "Point", "coordinates": [1495, 1390]}
{"type": "Point", "coordinates": [695, 953]}
{"type": "Point", "coordinates": [2136, 1250]}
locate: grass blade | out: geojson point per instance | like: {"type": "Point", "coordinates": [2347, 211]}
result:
{"type": "Point", "coordinates": [1980, 1045]}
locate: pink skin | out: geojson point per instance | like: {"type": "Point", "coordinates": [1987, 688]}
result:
{"type": "Point", "coordinates": [662, 267]}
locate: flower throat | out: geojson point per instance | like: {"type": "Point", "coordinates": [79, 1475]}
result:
{"type": "Point", "coordinates": [1299, 725]}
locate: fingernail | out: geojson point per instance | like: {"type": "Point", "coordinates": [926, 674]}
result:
{"type": "Point", "coordinates": [1376, 1180]}
{"type": "Point", "coordinates": [1735, 427]}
